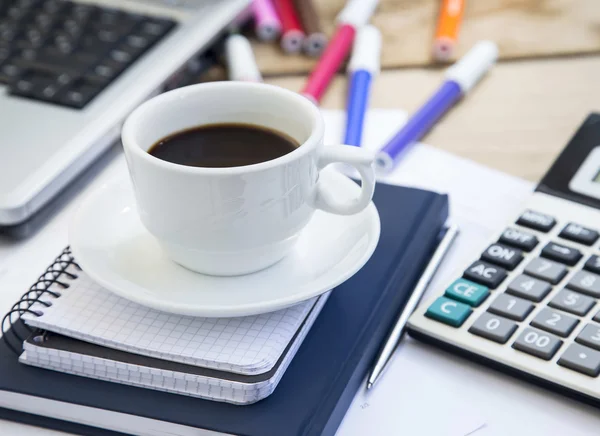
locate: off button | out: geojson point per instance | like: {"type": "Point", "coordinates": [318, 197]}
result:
{"type": "Point", "coordinates": [448, 311]}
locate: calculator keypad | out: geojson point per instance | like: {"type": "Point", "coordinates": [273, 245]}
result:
{"type": "Point", "coordinates": [537, 311]}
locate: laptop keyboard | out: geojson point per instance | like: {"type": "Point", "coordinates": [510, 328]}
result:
{"type": "Point", "coordinates": [66, 53]}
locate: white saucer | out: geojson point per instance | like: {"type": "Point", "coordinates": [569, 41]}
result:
{"type": "Point", "coordinates": [115, 250]}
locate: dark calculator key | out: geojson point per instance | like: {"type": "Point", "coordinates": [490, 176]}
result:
{"type": "Point", "coordinates": [593, 264]}
{"type": "Point", "coordinates": [555, 322]}
{"type": "Point", "coordinates": [486, 274]}
{"type": "Point", "coordinates": [547, 270]}
{"type": "Point", "coordinates": [519, 239]}
{"type": "Point", "coordinates": [537, 343]}
{"type": "Point", "coordinates": [137, 41]}
{"type": "Point", "coordinates": [536, 220]}
{"type": "Point", "coordinates": [572, 302]}
{"type": "Point", "coordinates": [576, 233]}
{"type": "Point", "coordinates": [561, 253]}
{"type": "Point", "coordinates": [493, 327]}
{"type": "Point", "coordinates": [511, 307]}
{"type": "Point", "coordinates": [529, 288]}
{"type": "Point", "coordinates": [590, 336]}
{"type": "Point", "coordinates": [586, 283]}
{"type": "Point", "coordinates": [581, 359]}
{"type": "Point", "coordinates": [502, 255]}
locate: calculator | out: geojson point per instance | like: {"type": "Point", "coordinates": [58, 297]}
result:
{"type": "Point", "coordinates": [529, 304]}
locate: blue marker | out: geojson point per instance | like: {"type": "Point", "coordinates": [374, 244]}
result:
{"type": "Point", "coordinates": [460, 78]}
{"type": "Point", "coordinates": [364, 65]}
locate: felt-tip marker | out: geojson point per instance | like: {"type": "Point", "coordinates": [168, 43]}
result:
{"type": "Point", "coordinates": [363, 67]}
{"type": "Point", "coordinates": [460, 78]}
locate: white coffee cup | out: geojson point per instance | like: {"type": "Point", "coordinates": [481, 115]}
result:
{"type": "Point", "coordinates": [237, 220]}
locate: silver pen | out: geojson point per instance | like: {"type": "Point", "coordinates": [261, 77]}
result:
{"type": "Point", "coordinates": [398, 331]}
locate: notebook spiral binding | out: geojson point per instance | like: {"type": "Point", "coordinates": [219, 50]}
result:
{"type": "Point", "coordinates": [13, 327]}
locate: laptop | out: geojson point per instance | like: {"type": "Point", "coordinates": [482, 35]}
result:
{"type": "Point", "coordinates": [70, 73]}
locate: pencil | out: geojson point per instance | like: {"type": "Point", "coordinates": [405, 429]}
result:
{"type": "Point", "coordinates": [268, 25]}
{"type": "Point", "coordinates": [451, 12]}
{"type": "Point", "coordinates": [315, 42]}
{"type": "Point", "coordinates": [292, 35]}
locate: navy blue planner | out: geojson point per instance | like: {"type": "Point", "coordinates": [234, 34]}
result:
{"type": "Point", "coordinates": [319, 384]}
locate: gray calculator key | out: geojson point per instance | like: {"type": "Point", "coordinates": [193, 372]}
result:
{"type": "Point", "coordinates": [572, 302]}
{"type": "Point", "coordinates": [586, 283]}
{"type": "Point", "coordinates": [555, 322]}
{"type": "Point", "coordinates": [537, 343]}
{"type": "Point", "coordinates": [581, 359]}
{"type": "Point", "coordinates": [590, 336]}
{"type": "Point", "coordinates": [546, 270]}
{"type": "Point", "coordinates": [511, 307]}
{"type": "Point", "coordinates": [493, 327]}
{"type": "Point", "coordinates": [528, 287]}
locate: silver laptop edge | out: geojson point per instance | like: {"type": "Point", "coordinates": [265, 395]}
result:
{"type": "Point", "coordinates": [75, 138]}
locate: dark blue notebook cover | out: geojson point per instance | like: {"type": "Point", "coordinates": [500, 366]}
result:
{"type": "Point", "coordinates": [328, 369]}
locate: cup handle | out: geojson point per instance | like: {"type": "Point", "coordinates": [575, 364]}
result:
{"type": "Point", "coordinates": [360, 159]}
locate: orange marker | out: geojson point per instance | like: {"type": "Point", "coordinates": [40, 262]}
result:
{"type": "Point", "coordinates": [446, 35]}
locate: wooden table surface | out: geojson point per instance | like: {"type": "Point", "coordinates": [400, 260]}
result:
{"type": "Point", "coordinates": [516, 120]}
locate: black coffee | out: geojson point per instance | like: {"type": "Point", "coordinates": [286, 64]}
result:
{"type": "Point", "coordinates": [223, 145]}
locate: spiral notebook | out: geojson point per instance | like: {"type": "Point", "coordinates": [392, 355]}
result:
{"type": "Point", "coordinates": [88, 331]}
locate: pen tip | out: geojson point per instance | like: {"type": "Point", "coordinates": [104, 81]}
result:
{"type": "Point", "coordinates": [369, 385]}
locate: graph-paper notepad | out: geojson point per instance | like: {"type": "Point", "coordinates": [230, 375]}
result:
{"type": "Point", "coordinates": [244, 345]}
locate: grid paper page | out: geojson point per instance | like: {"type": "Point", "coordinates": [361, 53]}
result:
{"type": "Point", "coordinates": [245, 345]}
{"type": "Point", "coordinates": [165, 380]}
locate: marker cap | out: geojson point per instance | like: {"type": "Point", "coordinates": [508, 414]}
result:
{"type": "Point", "coordinates": [472, 66]}
{"type": "Point", "coordinates": [241, 64]}
{"type": "Point", "coordinates": [357, 13]}
{"type": "Point", "coordinates": [366, 51]}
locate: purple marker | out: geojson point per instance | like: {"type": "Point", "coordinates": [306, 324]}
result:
{"type": "Point", "coordinates": [460, 78]}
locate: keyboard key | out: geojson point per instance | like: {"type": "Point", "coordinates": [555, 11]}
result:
{"type": "Point", "coordinates": [537, 343]}
{"type": "Point", "coordinates": [519, 239]}
{"type": "Point", "coordinates": [529, 288]}
{"type": "Point", "coordinates": [560, 253]}
{"type": "Point", "coordinates": [586, 283]}
{"type": "Point", "coordinates": [590, 336]}
{"type": "Point", "coordinates": [485, 274]}
{"type": "Point", "coordinates": [593, 264]}
{"type": "Point", "coordinates": [467, 292]}
{"type": "Point", "coordinates": [546, 270]}
{"type": "Point", "coordinates": [576, 233]}
{"type": "Point", "coordinates": [581, 359]}
{"type": "Point", "coordinates": [448, 311]}
{"type": "Point", "coordinates": [9, 72]}
{"type": "Point", "coordinates": [80, 94]}
{"type": "Point", "coordinates": [572, 302]}
{"type": "Point", "coordinates": [555, 322]}
{"type": "Point", "coordinates": [537, 221]}
{"type": "Point", "coordinates": [511, 307]}
{"type": "Point", "coordinates": [494, 328]}
{"type": "Point", "coordinates": [502, 255]}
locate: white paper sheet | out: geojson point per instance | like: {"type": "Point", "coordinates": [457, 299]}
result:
{"type": "Point", "coordinates": [425, 391]}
